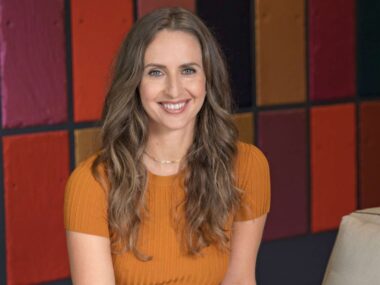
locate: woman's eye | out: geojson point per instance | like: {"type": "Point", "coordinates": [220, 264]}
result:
{"type": "Point", "coordinates": [154, 73]}
{"type": "Point", "coordinates": [189, 70]}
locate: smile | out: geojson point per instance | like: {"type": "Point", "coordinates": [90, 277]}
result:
{"type": "Point", "coordinates": [174, 108]}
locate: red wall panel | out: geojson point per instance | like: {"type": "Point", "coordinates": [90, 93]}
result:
{"type": "Point", "coordinates": [333, 164]}
{"type": "Point", "coordinates": [36, 167]}
{"type": "Point", "coordinates": [98, 28]}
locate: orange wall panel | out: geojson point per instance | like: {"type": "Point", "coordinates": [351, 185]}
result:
{"type": "Point", "coordinates": [333, 165]}
{"type": "Point", "coordinates": [87, 142]}
{"type": "Point", "coordinates": [98, 28]}
{"type": "Point", "coordinates": [280, 52]}
{"type": "Point", "coordinates": [244, 123]}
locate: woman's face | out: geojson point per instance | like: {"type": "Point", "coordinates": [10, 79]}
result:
{"type": "Point", "coordinates": [173, 84]}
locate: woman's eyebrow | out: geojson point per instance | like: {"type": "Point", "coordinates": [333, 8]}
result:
{"type": "Point", "coordinates": [189, 64]}
{"type": "Point", "coordinates": [164, 67]}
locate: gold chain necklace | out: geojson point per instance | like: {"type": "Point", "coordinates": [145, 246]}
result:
{"type": "Point", "coordinates": [162, 161]}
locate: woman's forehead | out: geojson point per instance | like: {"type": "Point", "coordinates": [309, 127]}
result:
{"type": "Point", "coordinates": [173, 47]}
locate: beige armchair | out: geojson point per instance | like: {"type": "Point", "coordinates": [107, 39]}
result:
{"type": "Point", "coordinates": [355, 258]}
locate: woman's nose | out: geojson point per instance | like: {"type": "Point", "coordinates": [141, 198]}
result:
{"type": "Point", "coordinates": [174, 86]}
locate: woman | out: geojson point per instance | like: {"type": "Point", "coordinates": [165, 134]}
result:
{"type": "Point", "coordinates": [172, 196]}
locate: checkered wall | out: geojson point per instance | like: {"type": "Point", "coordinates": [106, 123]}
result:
{"type": "Point", "coordinates": [305, 76]}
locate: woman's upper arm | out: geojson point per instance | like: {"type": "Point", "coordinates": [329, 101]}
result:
{"type": "Point", "coordinates": [86, 224]}
{"type": "Point", "coordinates": [90, 259]}
{"type": "Point", "coordinates": [253, 177]}
{"type": "Point", "coordinates": [245, 241]}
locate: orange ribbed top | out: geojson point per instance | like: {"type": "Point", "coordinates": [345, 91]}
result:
{"type": "Point", "coordinates": [85, 210]}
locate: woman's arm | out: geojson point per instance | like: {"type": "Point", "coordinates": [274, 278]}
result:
{"type": "Point", "coordinates": [90, 259]}
{"type": "Point", "coordinates": [245, 241]}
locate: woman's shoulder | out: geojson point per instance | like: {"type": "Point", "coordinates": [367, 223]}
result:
{"type": "Point", "coordinates": [250, 154]}
{"type": "Point", "coordinates": [82, 173]}
{"type": "Point", "coordinates": [251, 162]}
{"type": "Point", "coordinates": [85, 202]}
{"type": "Point", "coordinates": [83, 168]}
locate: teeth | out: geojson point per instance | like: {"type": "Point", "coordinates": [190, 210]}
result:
{"type": "Point", "coordinates": [174, 106]}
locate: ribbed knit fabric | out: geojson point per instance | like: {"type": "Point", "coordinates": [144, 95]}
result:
{"type": "Point", "coordinates": [85, 210]}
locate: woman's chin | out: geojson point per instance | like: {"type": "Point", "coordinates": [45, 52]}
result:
{"type": "Point", "coordinates": [172, 126]}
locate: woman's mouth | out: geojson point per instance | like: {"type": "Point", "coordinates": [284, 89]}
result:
{"type": "Point", "coordinates": [174, 108]}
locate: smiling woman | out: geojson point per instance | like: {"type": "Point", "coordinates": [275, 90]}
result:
{"type": "Point", "coordinates": [171, 196]}
{"type": "Point", "coordinates": [173, 85]}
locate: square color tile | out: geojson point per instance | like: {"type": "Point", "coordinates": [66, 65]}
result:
{"type": "Point", "coordinates": [98, 28]}
{"type": "Point", "coordinates": [87, 142]}
{"type": "Point", "coordinates": [146, 6]}
{"type": "Point", "coordinates": [230, 22]}
{"type": "Point", "coordinates": [280, 52]}
{"type": "Point", "coordinates": [33, 63]}
{"type": "Point", "coordinates": [282, 136]}
{"type": "Point", "coordinates": [332, 32]}
{"type": "Point", "coordinates": [244, 123]}
{"type": "Point", "coordinates": [368, 48]}
{"type": "Point", "coordinates": [333, 165]}
{"type": "Point", "coordinates": [369, 154]}
{"type": "Point", "coordinates": [36, 167]}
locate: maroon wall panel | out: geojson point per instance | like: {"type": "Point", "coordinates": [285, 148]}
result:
{"type": "Point", "coordinates": [282, 137]}
{"type": "Point", "coordinates": [332, 49]}
{"type": "Point", "coordinates": [146, 6]}
{"type": "Point", "coordinates": [36, 167]}
{"type": "Point", "coordinates": [333, 164]}
{"type": "Point", "coordinates": [33, 72]}
{"type": "Point", "coordinates": [369, 154]}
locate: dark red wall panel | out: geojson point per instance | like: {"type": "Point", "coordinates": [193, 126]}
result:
{"type": "Point", "coordinates": [33, 67]}
{"type": "Point", "coordinates": [36, 167]}
{"type": "Point", "coordinates": [332, 59]}
{"type": "Point", "coordinates": [146, 6]}
{"type": "Point", "coordinates": [333, 164]}
{"type": "Point", "coordinates": [369, 154]}
{"type": "Point", "coordinates": [282, 137]}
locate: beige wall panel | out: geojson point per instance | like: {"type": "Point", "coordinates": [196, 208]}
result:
{"type": "Point", "coordinates": [244, 123]}
{"type": "Point", "coordinates": [280, 52]}
{"type": "Point", "coordinates": [87, 141]}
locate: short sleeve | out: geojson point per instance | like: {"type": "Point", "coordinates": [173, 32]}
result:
{"type": "Point", "coordinates": [253, 177]}
{"type": "Point", "coordinates": [85, 202]}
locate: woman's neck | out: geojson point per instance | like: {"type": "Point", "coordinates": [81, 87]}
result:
{"type": "Point", "coordinates": [169, 146]}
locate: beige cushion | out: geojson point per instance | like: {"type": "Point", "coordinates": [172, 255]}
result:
{"type": "Point", "coordinates": [355, 259]}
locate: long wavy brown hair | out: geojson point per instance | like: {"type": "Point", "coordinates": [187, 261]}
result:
{"type": "Point", "coordinates": [210, 191]}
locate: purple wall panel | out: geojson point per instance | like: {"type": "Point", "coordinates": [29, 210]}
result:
{"type": "Point", "coordinates": [33, 74]}
{"type": "Point", "coordinates": [332, 49]}
{"type": "Point", "coordinates": [282, 137]}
